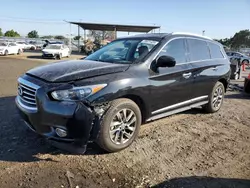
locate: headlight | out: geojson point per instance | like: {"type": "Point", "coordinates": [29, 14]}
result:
{"type": "Point", "coordinates": [77, 93]}
{"type": "Point", "coordinates": [1, 49]}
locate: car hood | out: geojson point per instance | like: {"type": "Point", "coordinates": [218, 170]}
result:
{"type": "Point", "coordinates": [50, 50]}
{"type": "Point", "coordinates": [65, 71]}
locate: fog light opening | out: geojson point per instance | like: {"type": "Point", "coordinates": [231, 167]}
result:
{"type": "Point", "coordinates": [61, 132]}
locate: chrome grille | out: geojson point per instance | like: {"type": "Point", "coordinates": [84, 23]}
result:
{"type": "Point", "coordinates": [27, 93]}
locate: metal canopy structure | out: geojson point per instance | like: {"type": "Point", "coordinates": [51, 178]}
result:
{"type": "Point", "coordinates": [115, 27]}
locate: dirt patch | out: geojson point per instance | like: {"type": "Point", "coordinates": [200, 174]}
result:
{"type": "Point", "coordinates": [170, 152]}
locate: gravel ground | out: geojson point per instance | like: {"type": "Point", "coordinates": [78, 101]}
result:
{"type": "Point", "coordinates": [189, 150]}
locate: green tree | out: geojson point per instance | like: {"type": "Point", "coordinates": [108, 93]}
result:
{"type": "Point", "coordinates": [47, 37]}
{"type": "Point", "coordinates": [77, 37]}
{"type": "Point", "coordinates": [33, 34]}
{"type": "Point", "coordinates": [1, 33]}
{"type": "Point", "coordinates": [11, 33]}
{"type": "Point", "coordinates": [59, 37]}
{"type": "Point", "coordinates": [100, 35]}
{"type": "Point", "coordinates": [225, 42]}
{"type": "Point", "coordinates": [241, 38]}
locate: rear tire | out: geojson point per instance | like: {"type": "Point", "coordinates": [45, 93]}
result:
{"type": "Point", "coordinates": [120, 125]}
{"type": "Point", "coordinates": [58, 57]}
{"type": "Point", "coordinates": [19, 52]}
{"type": "Point", "coordinates": [215, 98]}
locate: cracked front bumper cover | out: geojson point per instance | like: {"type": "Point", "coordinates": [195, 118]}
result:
{"type": "Point", "coordinates": [80, 122]}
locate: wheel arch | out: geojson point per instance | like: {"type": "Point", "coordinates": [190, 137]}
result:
{"type": "Point", "coordinates": [224, 82]}
{"type": "Point", "coordinates": [140, 103]}
{"type": "Point", "coordinates": [245, 60]}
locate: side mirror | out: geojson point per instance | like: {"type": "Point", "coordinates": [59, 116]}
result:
{"type": "Point", "coordinates": [165, 61]}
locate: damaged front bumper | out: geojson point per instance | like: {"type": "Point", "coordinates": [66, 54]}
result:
{"type": "Point", "coordinates": [78, 122]}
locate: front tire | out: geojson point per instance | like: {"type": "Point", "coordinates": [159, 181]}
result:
{"type": "Point", "coordinates": [120, 125]}
{"type": "Point", "coordinates": [59, 57]}
{"type": "Point", "coordinates": [19, 52]}
{"type": "Point", "coordinates": [215, 98]}
{"type": "Point", "coordinates": [6, 52]}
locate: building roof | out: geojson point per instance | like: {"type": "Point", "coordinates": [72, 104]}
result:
{"type": "Point", "coordinates": [148, 35]}
{"type": "Point", "coordinates": [117, 27]}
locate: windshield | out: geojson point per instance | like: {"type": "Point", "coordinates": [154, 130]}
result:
{"type": "Point", "coordinates": [3, 44]}
{"type": "Point", "coordinates": [123, 51]}
{"type": "Point", "coordinates": [53, 47]}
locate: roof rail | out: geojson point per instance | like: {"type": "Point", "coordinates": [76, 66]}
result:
{"type": "Point", "coordinates": [191, 34]}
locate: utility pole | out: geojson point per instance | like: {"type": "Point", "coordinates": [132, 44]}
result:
{"type": "Point", "coordinates": [203, 33]}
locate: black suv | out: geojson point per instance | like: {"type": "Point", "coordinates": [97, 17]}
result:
{"type": "Point", "coordinates": [109, 94]}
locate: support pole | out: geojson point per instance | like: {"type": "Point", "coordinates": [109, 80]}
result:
{"type": "Point", "coordinates": [70, 37]}
{"type": "Point", "coordinates": [84, 34]}
{"type": "Point", "coordinates": [114, 37]}
{"type": "Point", "coordinates": [78, 45]}
{"type": "Point", "coordinates": [103, 33]}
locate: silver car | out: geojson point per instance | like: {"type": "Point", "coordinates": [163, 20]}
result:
{"type": "Point", "coordinates": [243, 58]}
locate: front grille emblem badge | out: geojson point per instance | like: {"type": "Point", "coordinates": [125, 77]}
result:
{"type": "Point", "coordinates": [20, 90]}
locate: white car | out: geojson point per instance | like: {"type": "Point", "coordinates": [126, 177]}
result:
{"type": "Point", "coordinates": [56, 51]}
{"type": "Point", "coordinates": [26, 46]}
{"type": "Point", "coordinates": [7, 48]}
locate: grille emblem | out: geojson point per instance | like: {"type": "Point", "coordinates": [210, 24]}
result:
{"type": "Point", "coordinates": [20, 90]}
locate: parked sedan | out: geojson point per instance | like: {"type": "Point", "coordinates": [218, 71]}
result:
{"type": "Point", "coordinates": [242, 57]}
{"type": "Point", "coordinates": [7, 48]}
{"type": "Point", "coordinates": [37, 44]}
{"type": "Point", "coordinates": [56, 51]}
{"type": "Point", "coordinates": [26, 46]}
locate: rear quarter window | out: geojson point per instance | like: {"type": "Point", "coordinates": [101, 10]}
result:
{"type": "Point", "coordinates": [198, 50]}
{"type": "Point", "coordinates": [215, 51]}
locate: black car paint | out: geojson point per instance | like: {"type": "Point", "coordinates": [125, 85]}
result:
{"type": "Point", "coordinates": [140, 82]}
{"type": "Point", "coordinates": [74, 70]}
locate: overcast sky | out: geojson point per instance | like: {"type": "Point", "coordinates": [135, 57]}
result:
{"type": "Point", "coordinates": [219, 18]}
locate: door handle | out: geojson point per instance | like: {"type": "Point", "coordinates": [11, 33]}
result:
{"type": "Point", "coordinates": [187, 75]}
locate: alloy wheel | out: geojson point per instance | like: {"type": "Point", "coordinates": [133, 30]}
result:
{"type": "Point", "coordinates": [218, 97]}
{"type": "Point", "coordinates": [123, 126]}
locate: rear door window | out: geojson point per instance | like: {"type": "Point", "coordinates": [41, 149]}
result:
{"type": "Point", "coordinates": [198, 50]}
{"type": "Point", "coordinates": [215, 51]}
{"type": "Point", "coordinates": [176, 49]}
